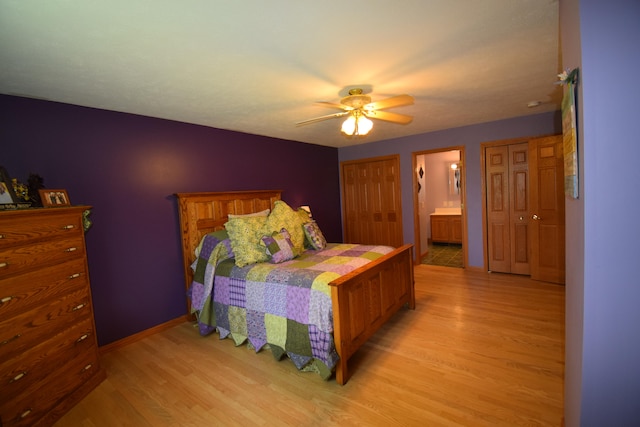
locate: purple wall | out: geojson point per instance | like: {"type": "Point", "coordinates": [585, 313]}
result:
{"type": "Point", "coordinates": [470, 137]}
{"type": "Point", "coordinates": [602, 382]}
{"type": "Point", "coordinates": [128, 167]}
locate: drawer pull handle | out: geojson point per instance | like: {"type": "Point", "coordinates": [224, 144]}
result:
{"type": "Point", "coordinates": [74, 276]}
{"type": "Point", "coordinates": [25, 413]}
{"type": "Point", "coordinates": [71, 249]}
{"type": "Point", "coordinates": [78, 307]}
{"type": "Point", "coordinates": [1, 236]}
{"type": "Point", "coordinates": [4, 264]}
{"type": "Point", "coordinates": [15, 337]}
{"type": "Point", "coordinates": [68, 227]}
{"type": "Point", "coordinates": [18, 377]}
{"type": "Point", "coordinates": [6, 299]}
{"type": "Point", "coordinates": [87, 367]}
{"type": "Point", "coordinates": [82, 338]}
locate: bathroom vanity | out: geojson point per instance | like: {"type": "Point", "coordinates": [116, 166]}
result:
{"type": "Point", "coordinates": [446, 225]}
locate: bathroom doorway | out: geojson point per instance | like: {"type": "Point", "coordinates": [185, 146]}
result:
{"type": "Point", "coordinates": [439, 214]}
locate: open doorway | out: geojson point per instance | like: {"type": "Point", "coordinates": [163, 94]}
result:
{"type": "Point", "coordinates": [439, 216]}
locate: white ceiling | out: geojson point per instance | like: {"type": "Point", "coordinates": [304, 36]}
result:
{"type": "Point", "coordinates": [258, 66]}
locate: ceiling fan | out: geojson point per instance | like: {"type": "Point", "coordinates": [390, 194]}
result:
{"type": "Point", "coordinates": [359, 109]}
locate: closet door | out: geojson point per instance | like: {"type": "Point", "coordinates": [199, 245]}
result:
{"type": "Point", "coordinates": [507, 178]}
{"type": "Point", "coordinates": [525, 208]}
{"type": "Point", "coordinates": [547, 209]}
{"type": "Point", "coordinates": [355, 202]}
{"type": "Point", "coordinates": [371, 199]}
{"type": "Point", "coordinates": [519, 208]}
{"type": "Point", "coordinates": [498, 218]}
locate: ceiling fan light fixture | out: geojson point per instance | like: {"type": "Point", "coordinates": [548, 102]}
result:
{"type": "Point", "coordinates": [349, 125]}
{"type": "Point", "coordinates": [357, 125]}
{"type": "Point", "coordinates": [358, 109]}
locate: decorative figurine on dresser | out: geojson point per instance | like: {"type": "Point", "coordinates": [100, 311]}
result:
{"type": "Point", "coordinates": [48, 347]}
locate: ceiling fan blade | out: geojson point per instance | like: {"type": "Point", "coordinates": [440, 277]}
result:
{"type": "Point", "coordinates": [321, 118]}
{"type": "Point", "coordinates": [394, 101]}
{"type": "Point", "coordinates": [402, 119]}
{"type": "Point", "coordinates": [334, 105]}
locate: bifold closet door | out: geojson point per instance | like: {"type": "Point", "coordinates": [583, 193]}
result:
{"type": "Point", "coordinates": [371, 201]}
{"type": "Point", "coordinates": [508, 234]}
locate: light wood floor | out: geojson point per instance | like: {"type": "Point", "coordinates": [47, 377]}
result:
{"type": "Point", "coordinates": [479, 350]}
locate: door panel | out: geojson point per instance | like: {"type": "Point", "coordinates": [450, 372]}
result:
{"type": "Point", "coordinates": [547, 209]}
{"type": "Point", "coordinates": [507, 170]}
{"type": "Point", "coordinates": [521, 250]}
{"type": "Point", "coordinates": [384, 199]}
{"type": "Point", "coordinates": [456, 230]}
{"type": "Point", "coordinates": [498, 249]}
{"type": "Point", "coordinates": [372, 205]}
{"type": "Point", "coordinates": [497, 170]}
{"type": "Point", "coordinates": [351, 200]}
{"type": "Point", "coordinates": [519, 208]}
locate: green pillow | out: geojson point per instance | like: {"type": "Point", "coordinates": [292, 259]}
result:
{"type": "Point", "coordinates": [282, 216]}
{"type": "Point", "coordinates": [245, 234]}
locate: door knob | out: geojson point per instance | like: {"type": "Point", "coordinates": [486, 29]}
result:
{"type": "Point", "coordinates": [536, 217]}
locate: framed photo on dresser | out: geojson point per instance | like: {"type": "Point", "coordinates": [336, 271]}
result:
{"type": "Point", "coordinates": [54, 198]}
{"type": "Point", "coordinates": [8, 198]}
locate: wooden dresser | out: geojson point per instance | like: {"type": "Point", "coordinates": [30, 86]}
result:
{"type": "Point", "coordinates": [48, 347]}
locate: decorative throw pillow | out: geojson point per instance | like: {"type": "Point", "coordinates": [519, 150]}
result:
{"type": "Point", "coordinates": [245, 234]}
{"type": "Point", "coordinates": [282, 216]}
{"type": "Point", "coordinates": [279, 246]}
{"type": "Point", "coordinates": [315, 236]}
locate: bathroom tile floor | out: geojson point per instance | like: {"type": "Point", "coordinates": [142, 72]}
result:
{"type": "Point", "coordinates": [449, 255]}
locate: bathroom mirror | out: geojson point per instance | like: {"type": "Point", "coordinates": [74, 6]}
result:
{"type": "Point", "coordinates": [454, 178]}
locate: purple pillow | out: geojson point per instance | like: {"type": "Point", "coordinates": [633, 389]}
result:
{"type": "Point", "coordinates": [315, 236]}
{"type": "Point", "coordinates": [279, 246]}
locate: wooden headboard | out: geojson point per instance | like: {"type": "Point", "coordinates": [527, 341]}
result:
{"type": "Point", "coordinates": [202, 213]}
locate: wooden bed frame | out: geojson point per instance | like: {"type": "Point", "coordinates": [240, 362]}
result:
{"type": "Point", "coordinates": [362, 300]}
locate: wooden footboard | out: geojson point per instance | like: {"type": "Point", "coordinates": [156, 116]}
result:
{"type": "Point", "coordinates": [366, 298]}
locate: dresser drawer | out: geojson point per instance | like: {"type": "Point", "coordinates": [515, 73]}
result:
{"type": "Point", "coordinates": [35, 326]}
{"type": "Point", "coordinates": [26, 408]}
{"type": "Point", "coordinates": [21, 259]}
{"type": "Point", "coordinates": [30, 228]}
{"type": "Point", "coordinates": [22, 293]}
{"type": "Point", "coordinates": [32, 367]}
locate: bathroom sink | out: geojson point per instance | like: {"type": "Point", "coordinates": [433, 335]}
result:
{"type": "Point", "coordinates": [447, 211]}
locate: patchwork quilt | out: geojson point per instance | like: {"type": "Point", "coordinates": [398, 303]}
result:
{"type": "Point", "coordinates": [285, 307]}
